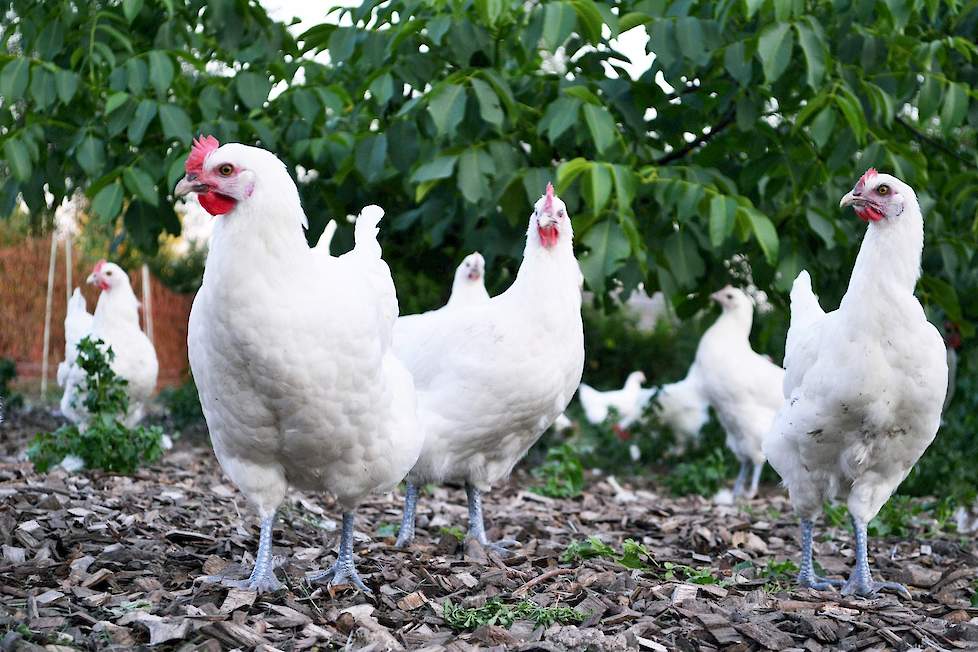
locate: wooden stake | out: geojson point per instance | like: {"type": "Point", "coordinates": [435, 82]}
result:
{"type": "Point", "coordinates": [68, 270]}
{"type": "Point", "coordinates": [148, 304]}
{"type": "Point", "coordinates": [47, 316]}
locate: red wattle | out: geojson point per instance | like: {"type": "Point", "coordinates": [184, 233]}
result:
{"type": "Point", "coordinates": [548, 235]}
{"type": "Point", "coordinates": [216, 203]}
{"type": "Point", "coordinates": [869, 214]}
{"type": "Point", "coordinates": [103, 284]}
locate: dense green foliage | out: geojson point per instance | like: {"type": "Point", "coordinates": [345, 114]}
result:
{"type": "Point", "coordinates": [497, 612]}
{"type": "Point", "coordinates": [104, 442]}
{"type": "Point", "coordinates": [453, 115]}
{"type": "Point", "coordinates": [182, 404]}
{"type": "Point", "coordinates": [8, 398]}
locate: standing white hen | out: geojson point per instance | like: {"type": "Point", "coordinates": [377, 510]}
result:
{"type": "Point", "coordinates": [469, 285]}
{"type": "Point", "coordinates": [116, 323]}
{"type": "Point", "coordinates": [628, 401]}
{"type": "Point", "coordinates": [681, 405]}
{"type": "Point", "coordinates": [492, 378]}
{"type": "Point", "coordinates": [865, 384]}
{"type": "Point", "coordinates": [743, 387]}
{"type": "Point", "coordinates": [291, 353]}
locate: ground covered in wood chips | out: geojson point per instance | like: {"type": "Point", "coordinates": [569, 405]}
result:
{"type": "Point", "coordinates": [97, 561]}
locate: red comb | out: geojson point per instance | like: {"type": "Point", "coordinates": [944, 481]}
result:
{"type": "Point", "coordinates": [548, 203]}
{"type": "Point", "coordinates": [203, 146]}
{"type": "Point", "coordinates": [99, 265]}
{"type": "Point", "coordinates": [867, 175]}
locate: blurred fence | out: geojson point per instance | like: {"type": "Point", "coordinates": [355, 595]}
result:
{"type": "Point", "coordinates": [23, 288]}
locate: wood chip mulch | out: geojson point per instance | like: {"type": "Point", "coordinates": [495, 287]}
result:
{"type": "Point", "coordinates": [97, 561]}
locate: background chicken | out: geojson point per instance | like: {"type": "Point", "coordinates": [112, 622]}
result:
{"type": "Point", "coordinates": [290, 350]}
{"type": "Point", "coordinates": [865, 384]}
{"type": "Point", "coordinates": [469, 286]}
{"type": "Point", "coordinates": [743, 387]}
{"type": "Point", "coordinates": [628, 402]}
{"type": "Point", "coordinates": [682, 406]}
{"type": "Point", "coordinates": [493, 377]}
{"type": "Point", "coordinates": [116, 323]}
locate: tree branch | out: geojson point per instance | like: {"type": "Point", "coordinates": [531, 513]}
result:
{"type": "Point", "coordinates": [675, 155]}
{"type": "Point", "coordinates": [936, 144]}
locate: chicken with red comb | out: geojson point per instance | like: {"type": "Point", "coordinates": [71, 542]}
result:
{"type": "Point", "coordinates": [291, 352]}
{"type": "Point", "coordinates": [864, 385]}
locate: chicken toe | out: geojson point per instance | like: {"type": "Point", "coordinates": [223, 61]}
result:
{"type": "Point", "coordinates": [343, 571]}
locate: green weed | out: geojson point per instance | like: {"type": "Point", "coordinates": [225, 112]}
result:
{"type": "Point", "coordinates": [634, 555]}
{"type": "Point", "coordinates": [562, 473]}
{"type": "Point", "coordinates": [496, 612]}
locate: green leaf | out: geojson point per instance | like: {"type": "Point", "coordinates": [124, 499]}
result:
{"type": "Point", "coordinates": [560, 116]}
{"type": "Point", "coordinates": [689, 33]}
{"type": "Point", "coordinates": [440, 167]}
{"type": "Point", "coordinates": [18, 158]}
{"type": "Point", "coordinates": [306, 103]}
{"type": "Point", "coordinates": [131, 9]}
{"type": "Point", "coordinates": [568, 171]}
{"type": "Point", "coordinates": [684, 258]}
{"type": "Point", "coordinates": [601, 125]}
{"type": "Point", "coordinates": [813, 46]}
{"type": "Point", "coordinates": [752, 7]}
{"type": "Point", "coordinates": [607, 248]}
{"type": "Point", "coordinates": [738, 62]}
{"type": "Point", "coordinates": [489, 10]}
{"type": "Point", "coordinates": [140, 184]}
{"type": "Point", "coordinates": [66, 83]}
{"type": "Point", "coordinates": [822, 126]}
{"type": "Point", "coordinates": [160, 71]}
{"type": "Point", "coordinates": [115, 101]}
{"type": "Point", "coordinates": [14, 78]}
{"type": "Point", "coordinates": [589, 19]}
{"type": "Point", "coordinates": [765, 233]}
{"type": "Point", "coordinates": [176, 124]}
{"type": "Point", "coordinates": [929, 98]}
{"type": "Point", "coordinates": [583, 93]}
{"type": "Point", "coordinates": [723, 213]}
{"type": "Point", "coordinates": [853, 113]}
{"type": "Point", "coordinates": [137, 75]}
{"type": "Point", "coordinates": [252, 88]}
{"type": "Point", "coordinates": [633, 20]}
{"type": "Point", "coordinates": [90, 155]}
{"type": "Point", "coordinates": [382, 89]}
{"type": "Point", "coordinates": [108, 202]}
{"type": "Point", "coordinates": [145, 113]}
{"type": "Point", "coordinates": [626, 183]}
{"type": "Point", "coordinates": [559, 20]}
{"type": "Point", "coordinates": [43, 91]}
{"type": "Point", "coordinates": [955, 106]}
{"type": "Point", "coordinates": [370, 154]}
{"type": "Point", "coordinates": [489, 107]}
{"type": "Point", "coordinates": [447, 108]}
{"type": "Point", "coordinates": [473, 167]}
{"type": "Point", "coordinates": [597, 187]}
{"type": "Point", "coordinates": [944, 294]}
{"type": "Point", "coordinates": [774, 47]}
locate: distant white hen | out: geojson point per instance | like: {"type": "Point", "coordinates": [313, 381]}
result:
{"type": "Point", "coordinates": [865, 384]}
{"type": "Point", "coordinates": [491, 378]}
{"type": "Point", "coordinates": [682, 406]}
{"type": "Point", "coordinates": [116, 323]}
{"type": "Point", "coordinates": [469, 286]}
{"type": "Point", "coordinates": [291, 353]}
{"type": "Point", "coordinates": [628, 401]}
{"type": "Point", "coordinates": [743, 387]}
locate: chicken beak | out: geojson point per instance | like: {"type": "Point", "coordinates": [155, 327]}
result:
{"type": "Point", "coordinates": [847, 200]}
{"type": "Point", "coordinates": [92, 279]}
{"type": "Point", "coordinates": [188, 185]}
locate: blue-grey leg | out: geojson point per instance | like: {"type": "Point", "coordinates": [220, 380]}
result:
{"type": "Point", "coordinates": [861, 580]}
{"type": "Point", "coordinates": [806, 574]}
{"type": "Point", "coordinates": [262, 578]}
{"type": "Point", "coordinates": [477, 526]}
{"type": "Point", "coordinates": [343, 571]}
{"type": "Point", "coordinates": [738, 488]}
{"type": "Point", "coordinates": [406, 534]}
{"type": "Point", "coordinates": [755, 479]}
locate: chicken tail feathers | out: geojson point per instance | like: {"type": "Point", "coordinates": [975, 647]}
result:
{"type": "Point", "coordinates": [804, 303]}
{"type": "Point", "coordinates": [326, 238]}
{"type": "Point", "coordinates": [365, 231]}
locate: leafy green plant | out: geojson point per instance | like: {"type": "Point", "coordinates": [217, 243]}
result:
{"type": "Point", "coordinates": [702, 478]}
{"type": "Point", "coordinates": [634, 555]}
{"type": "Point", "coordinates": [682, 572]}
{"type": "Point", "coordinates": [779, 575]}
{"type": "Point", "coordinates": [8, 373]}
{"type": "Point", "coordinates": [497, 612]}
{"type": "Point", "coordinates": [454, 531]}
{"type": "Point", "coordinates": [104, 442]}
{"type": "Point", "coordinates": [562, 473]}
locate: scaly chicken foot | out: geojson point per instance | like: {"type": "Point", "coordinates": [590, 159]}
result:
{"type": "Point", "coordinates": [738, 488]}
{"type": "Point", "coordinates": [343, 571]}
{"type": "Point", "coordinates": [806, 574]}
{"type": "Point", "coordinates": [861, 581]}
{"type": "Point", "coordinates": [477, 526]}
{"type": "Point", "coordinates": [406, 534]}
{"type": "Point", "coordinates": [262, 578]}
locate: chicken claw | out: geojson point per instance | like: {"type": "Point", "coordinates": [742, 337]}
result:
{"type": "Point", "coordinates": [343, 571]}
{"type": "Point", "coordinates": [477, 526]}
{"type": "Point", "coordinates": [262, 578]}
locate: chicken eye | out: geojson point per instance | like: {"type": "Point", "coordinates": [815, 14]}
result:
{"type": "Point", "coordinates": [729, 296]}
{"type": "Point", "coordinates": [225, 170]}
{"type": "Point", "coordinates": [560, 213]}
{"type": "Point", "coordinates": [883, 189]}
{"type": "Point", "coordinates": [108, 273]}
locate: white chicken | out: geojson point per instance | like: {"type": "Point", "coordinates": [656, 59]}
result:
{"type": "Point", "coordinates": [628, 402]}
{"type": "Point", "coordinates": [743, 387]}
{"type": "Point", "coordinates": [469, 285]}
{"type": "Point", "coordinates": [682, 406]}
{"type": "Point", "coordinates": [492, 378]}
{"type": "Point", "coordinates": [865, 384]}
{"type": "Point", "coordinates": [116, 323]}
{"type": "Point", "coordinates": [291, 352]}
